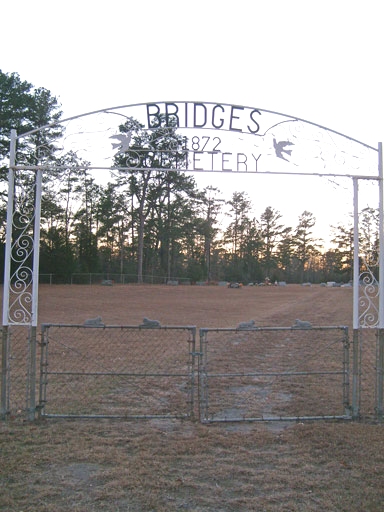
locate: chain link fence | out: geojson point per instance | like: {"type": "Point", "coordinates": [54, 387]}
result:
{"type": "Point", "coordinates": [134, 371]}
{"type": "Point", "coordinates": [18, 371]}
{"type": "Point", "coordinates": [275, 373]}
{"type": "Point", "coordinates": [109, 279]}
{"type": "Point", "coordinates": [99, 371]}
{"type": "Point", "coordinates": [117, 371]}
{"type": "Point", "coordinates": [369, 364]}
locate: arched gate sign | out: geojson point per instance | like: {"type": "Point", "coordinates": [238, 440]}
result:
{"type": "Point", "coordinates": [214, 138]}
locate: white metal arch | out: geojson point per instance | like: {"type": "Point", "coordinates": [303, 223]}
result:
{"type": "Point", "coordinates": [273, 134]}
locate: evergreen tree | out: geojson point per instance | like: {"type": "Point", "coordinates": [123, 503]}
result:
{"type": "Point", "coordinates": [252, 251]}
{"type": "Point", "coordinates": [305, 244]}
{"type": "Point", "coordinates": [25, 108]}
{"type": "Point", "coordinates": [141, 172]}
{"type": "Point", "coordinates": [114, 222]}
{"type": "Point", "coordinates": [270, 230]}
{"type": "Point", "coordinates": [236, 232]}
{"type": "Point", "coordinates": [369, 241]}
{"type": "Point", "coordinates": [284, 253]}
{"type": "Point", "coordinates": [210, 205]}
{"type": "Point", "coordinates": [343, 238]}
{"type": "Point", "coordinates": [15, 107]}
{"type": "Point", "coordinates": [332, 266]}
{"type": "Point", "coordinates": [85, 223]}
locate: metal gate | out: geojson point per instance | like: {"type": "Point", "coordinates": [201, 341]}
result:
{"type": "Point", "coordinates": [117, 371]}
{"type": "Point", "coordinates": [331, 154]}
{"type": "Point", "coordinates": [274, 373]}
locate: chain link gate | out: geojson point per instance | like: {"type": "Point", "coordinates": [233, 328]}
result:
{"type": "Point", "coordinates": [117, 371]}
{"type": "Point", "coordinates": [274, 373]}
{"type": "Point", "coordinates": [331, 154]}
{"type": "Point", "coordinates": [235, 360]}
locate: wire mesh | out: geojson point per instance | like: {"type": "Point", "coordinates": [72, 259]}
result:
{"type": "Point", "coordinates": [368, 355]}
{"type": "Point", "coordinates": [274, 373]}
{"type": "Point", "coordinates": [117, 371]}
{"type": "Point", "coordinates": [128, 371]}
{"type": "Point", "coordinates": [16, 377]}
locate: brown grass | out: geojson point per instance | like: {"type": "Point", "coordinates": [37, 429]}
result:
{"type": "Point", "coordinates": [169, 465]}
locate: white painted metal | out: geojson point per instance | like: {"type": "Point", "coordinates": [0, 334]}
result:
{"type": "Point", "coordinates": [14, 168]}
{"type": "Point", "coordinates": [8, 239]}
{"type": "Point", "coordinates": [356, 272]}
{"type": "Point", "coordinates": [381, 239]}
{"type": "Point", "coordinates": [36, 248]}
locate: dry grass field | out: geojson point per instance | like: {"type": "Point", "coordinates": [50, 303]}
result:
{"type": "Point", "coordinates": [57, 465]}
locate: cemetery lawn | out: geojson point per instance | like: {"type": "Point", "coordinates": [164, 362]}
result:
{"type": "Point", "coordinates": [172, 465]}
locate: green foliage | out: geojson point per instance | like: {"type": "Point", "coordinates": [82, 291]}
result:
{"type": "Point", "coordinates": [15, 107]}
{"type": "Point", "coordinates": [151, 219]}
{"type": "Point", "coordinates": [25, 108]}
{"type": "Point", "coordinates": [159, 196]}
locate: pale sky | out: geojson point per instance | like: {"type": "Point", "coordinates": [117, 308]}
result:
{"type": "Point", "coordinates": [321, 61]}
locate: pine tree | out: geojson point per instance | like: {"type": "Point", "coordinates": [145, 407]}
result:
{"type": "Point", "coordinates": [143, 172]}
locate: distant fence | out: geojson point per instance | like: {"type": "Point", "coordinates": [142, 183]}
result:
{"type": "Point", "coordinates": [265, 373]}
{"type": "Point", "coordinates": [92, 278]}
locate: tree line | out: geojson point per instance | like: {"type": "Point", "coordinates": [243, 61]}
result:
{"type": "Point", "coordinates": [148, 221]}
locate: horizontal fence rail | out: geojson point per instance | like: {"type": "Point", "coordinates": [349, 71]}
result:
{"type": "Point", "coordinates": [117, 371]}
{"type": "Point", "coordinates": [265, 373]}
{"type": "Point", "coordinates": [274, 373]}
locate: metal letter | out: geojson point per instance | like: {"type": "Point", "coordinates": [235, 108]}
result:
{"type": "Point", "coordinates": [156, 116]}
{"type": "Point", "coordinates": [257, 124]}
{"type": "Point", "coordinates": [213, 117]}
{"type": "Point", "coordinates": [170, 114]}
{"type": "Point", "coordinates": [235, 117]}
{"type": "Point", "coordinates": [195, 124]}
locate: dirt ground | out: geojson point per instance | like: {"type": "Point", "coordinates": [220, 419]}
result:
{"type": "Point", "coordinates": [203, 306]}
{"type": "Point", "coordinates": [170, 465]}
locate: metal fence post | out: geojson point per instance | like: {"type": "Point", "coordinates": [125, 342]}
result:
{"type": "Point", "coordinates": [43, 370]}
{"type": "Point", "coordinates": [379, 373]}
{"type": "Point", "coordinates": [346, 377]}
{"type": "Point", "coordinates": [31, 384]}
{"type": "Point", "coordinates": [356, 374]}
{"type": "Point", "coordinates": [4, 406]}
{"type": "Point", "coordinates": [380, 330]}
{"type": "Point", "coordinates": [202, 379]}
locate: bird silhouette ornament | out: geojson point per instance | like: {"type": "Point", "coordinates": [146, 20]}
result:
{"type": "Point", "coordinates": [279, 148]}
{"type": "Point", "coordinates": [123, 144]}
{"type": "Point", "coordinates": [124, 141]}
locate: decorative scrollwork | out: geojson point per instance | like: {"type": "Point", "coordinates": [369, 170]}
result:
{"type": "Point", "coordinates": [327, 151]}
{"type": "Point", "coordinates": [21, 278]}
{"type": "Point", "coordinates": [20, 307]}
{"type": "Point", "coordinates": [369, 290]}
